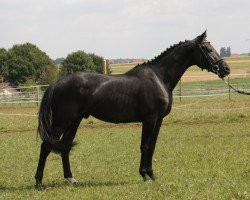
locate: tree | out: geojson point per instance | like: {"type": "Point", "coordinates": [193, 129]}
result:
{"type": "Point", "coordinates": [78, 61]}
{"type": "Point", "coordinates": [50, 74]}
{"type": "Point", "coordinates": [228, 51]}
{"type": "Point", "coordinates": [58, 61]}
{"type": "Point", "coordinates": [81, 61]}
{"type": "Point", "coordinates": [223, 52]}
{"type": "Point", "coordinates": [24, 62]}
{"type": "Point", "coordinates": [98, 60]}
{"type": "Point", "coordinates": [3, 58]}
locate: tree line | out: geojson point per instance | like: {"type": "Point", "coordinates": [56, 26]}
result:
{"type": "Point", "coordinates": [26, 64]}
{"type": "Point", "coordinates": [225, 51]}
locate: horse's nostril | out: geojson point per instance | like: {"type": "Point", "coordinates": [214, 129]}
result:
{"type": "Point", "coordinates": [227, 68]}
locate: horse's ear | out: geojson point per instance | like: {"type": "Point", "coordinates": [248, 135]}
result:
{"type": "Point", "coordinates": [201, 37]}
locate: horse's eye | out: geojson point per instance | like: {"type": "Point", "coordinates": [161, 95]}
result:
{"type": "Point", "coordinates": [209, 49]}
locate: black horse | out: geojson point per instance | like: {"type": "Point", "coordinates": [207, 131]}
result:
{"type": "Point", "coordinates": [143, 94]}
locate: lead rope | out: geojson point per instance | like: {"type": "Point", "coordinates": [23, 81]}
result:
{"type": "Point", "coordinates": [236, 90]}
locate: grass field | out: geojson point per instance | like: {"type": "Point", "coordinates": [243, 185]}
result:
{"type": "Point", "coordinates": [242, 58]}
{"type": "Point", "coordinates": [203, 152]}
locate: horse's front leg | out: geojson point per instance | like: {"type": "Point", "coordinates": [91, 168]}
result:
{"type": "Point", "coordinates": [152, 148]}
{"type": "Point", "coordinates": [148, 128]}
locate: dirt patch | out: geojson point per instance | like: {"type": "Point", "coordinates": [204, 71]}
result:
{"type": "Point", "coordinates": [94, 126]}
{"type": "Point", "coordinates": [112, 126]}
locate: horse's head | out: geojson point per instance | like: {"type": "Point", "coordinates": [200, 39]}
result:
{"type": "Point", "coordinates": [208, 58]}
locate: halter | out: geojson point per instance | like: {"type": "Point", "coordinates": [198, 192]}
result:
{"type": "Point", "coordinates": [214, 64]}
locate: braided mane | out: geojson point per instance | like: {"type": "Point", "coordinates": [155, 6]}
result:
{"type": "Point", "coordinates": [165, 53]}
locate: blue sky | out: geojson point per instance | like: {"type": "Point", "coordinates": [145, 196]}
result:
{"type": "Point", "coordinates": [122, 29]}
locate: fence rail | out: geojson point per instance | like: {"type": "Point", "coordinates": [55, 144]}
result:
{"type": "Point", "coordinates": [22, 95]}
{"type": "Point", "coordinates": [34, 94]}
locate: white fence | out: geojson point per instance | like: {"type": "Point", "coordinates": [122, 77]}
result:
{"type": "Point", "coordinates": [186, 90]}
{"type": "Point", "coordinates": [32, 95]}
{"type": "Point", "coordinates": [22, 95]}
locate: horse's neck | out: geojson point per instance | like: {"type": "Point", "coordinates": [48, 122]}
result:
{"type": "Point", "coordinates": [170, 69]}
{"type": "Point", "coordinates": [174, 74]}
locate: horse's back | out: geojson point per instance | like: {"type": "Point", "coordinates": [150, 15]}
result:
{"type": "Point", "coordinates": [107, 97]}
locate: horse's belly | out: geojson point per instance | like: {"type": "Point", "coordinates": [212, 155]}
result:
{"type": "Point", "coordinates": [119, 117]}
{"type": "Point", "coordinates": [116, 112]}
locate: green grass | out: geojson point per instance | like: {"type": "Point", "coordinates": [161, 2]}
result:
{"type": "Point", "coordinates": [240, 66]}
{"type": "Point", "coordinates": [123, 65]}
{"type": "Point", "coordinates": [188, 165]}
{"type": "Point", "coordinates": [219, 82]}
{"type": "Point", "coordinates": [201, 162]}
{"type": "Point", "coordinates": [203, 152]}
{"type": "Point", "coordinates": [121, 70]}
{"type": "Point", "coordinates": [237, 58]}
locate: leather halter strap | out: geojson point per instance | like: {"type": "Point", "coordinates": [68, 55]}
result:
{"type": "Point", "coordinates": [214, 64]}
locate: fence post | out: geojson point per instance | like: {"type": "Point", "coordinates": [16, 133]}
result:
{"type": "Point", "coordinates": [229, 89]}
{"type": "Point", "coordinates": [180, 92]}
{"type": "Point", "coordinates": [104, 66]}
{"type": "Point", "coordinates": [37, 93]}
{"type": "Point", "coordinates": [107, 66]}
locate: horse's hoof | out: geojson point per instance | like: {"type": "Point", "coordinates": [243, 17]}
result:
{"type": "Point", "coordinates": [72, 181]}
{"type": "Point", "coordinates": [153, 177]}
{"type": "Point", "coordinates": [146, 178]}
{"type": "Point", "coordinates": [39, 186]}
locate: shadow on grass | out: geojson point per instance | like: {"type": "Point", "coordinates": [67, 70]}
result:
{"type": "Point", "coordinates": [64, 184]}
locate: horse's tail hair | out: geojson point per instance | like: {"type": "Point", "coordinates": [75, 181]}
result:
{"type": "Point", "coordinates": [45, 125]}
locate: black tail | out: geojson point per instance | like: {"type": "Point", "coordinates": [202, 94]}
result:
{"type": "Point", "coordinates": [45, 126]}
{"type": "Point", "coordinates": [45, 123]}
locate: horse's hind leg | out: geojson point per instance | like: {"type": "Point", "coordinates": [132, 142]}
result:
{"type": "Point", "coordinates": [66, 168]}
{"type": "Point", "coordinates": [67, 141]}
{"type": "Point", "coordinates": [44, 152]}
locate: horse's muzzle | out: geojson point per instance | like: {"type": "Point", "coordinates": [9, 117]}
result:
{"type": "Point", "coordinates": [224, 70]}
